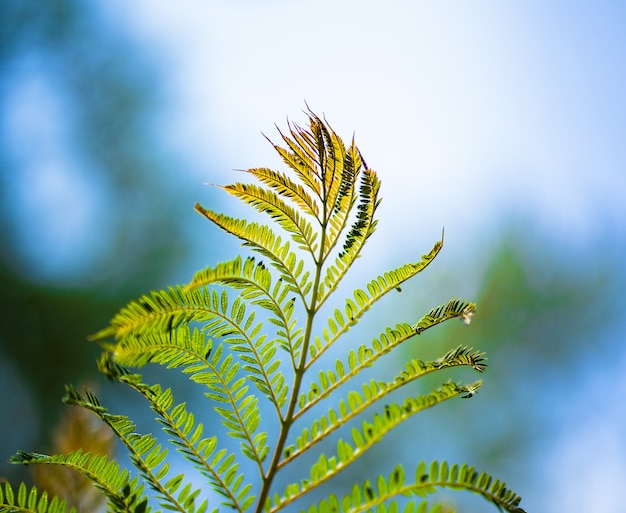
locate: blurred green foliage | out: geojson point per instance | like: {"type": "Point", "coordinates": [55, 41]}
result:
{"type": "Point", "coordinates": [110, 100]}
{"type": "Point", "coordinates": [546, 317]}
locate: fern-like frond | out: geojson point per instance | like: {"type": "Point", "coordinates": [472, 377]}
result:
{"type": "Point", "coordinates": [206, 365]}
{"type": "Point", "coordinates": [370, 433]}
{"type": "Point", "coordinates": [215, 330]}
{"type": "Point", "coordinates": [354, 503]}
{"type": "Point", "coordinates": [455, 308]}
{"type": "Point", "coordinates": [254, 281]}
{"type": "Point", "coordinates": [317, 155]}
{"type": "Point", "coordinates": [162, 311]}
{"type": "Point", "coordinates": [330, 380]}
{"type": "Point", "coordinates": [365, 224]}
{"type": "Point", "coordinates": [324, 165]}
{"type": "Point", "coordinates": [372, 496]}
{"type": "Point", "coordinates": [146, 454]}
{"type": "Point", "coordinates": [354, 309]}
{"type": "Point", "coordinates": [286, 187]}
{"type": "Point", "coordinates": [142, 324]}
{"type": "Point", "coordinates": [338, 179]}
{"type": "Point", "coordinates": [464, 477]}
{"type": "Point", "coordinates": [263, 240]}
{"type": "Point", "coordinates": [251, 278]}
{"type": "Point", "coordinates": [122, 493]}
{"type": "Point", "coordinates": [362, 228]}
{"type": "Point", "coordinates": [186, 434]}
{"type": "Point", "coordinates": [356, 403]}
{"type": "Point", "coordinates": [357, 361]}
{"type": "Point", "coordinates": [30, 501]}
{"type": "Point", "coordinates": [240, 330]}
{"type": "Point", "coordinates": [378, 287]}
{"type": "Point", "coordinates": [300, 156]}
{"type": "Point", "coordinates": [239, 274]}
{"type": "Point", "coordinates": [300, 230]}
{"type": "Point", "coordinates": [365, 356]}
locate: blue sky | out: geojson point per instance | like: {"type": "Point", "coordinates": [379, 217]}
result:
{"type": "Point", "coordinates": [471, 112]}
{"type": "Point", "coordinates": [467, 109]}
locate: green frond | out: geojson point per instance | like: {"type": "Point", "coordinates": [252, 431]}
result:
{"type": "Point", "coordinates": [362, 301]}
{"type": "Point", "coordinates": [355, 503]}
{"type": "Point", "coordinates": [455, 308]}
{"type": "Point", "coordinates": [381, 494]}
{"type": "Point", "coordinates": [287, 188]}
{"type": "Point", "coordinates": [255, 349]}
{"type": "Point", "coordinates": [263, 200]}
{"type": "Point", "coordinates": [206, 365]}
{"type": "Point", "coordinates": [254, 283]}
{"type": "Point", "coordinates": [365, 224]}
{"type": "Point", "coordinates": [179, 348]}
{"type": "Point", "coordinates": [232, 329]}
{"type": "Point", "coordinates": [122, 493]}
{"type": "Point", "coordinates": [330, 380]}
{"type": "Point", "coordinates": [462, 355]}
{"type": "Point", "coordinates": [331, 152]}
{"type": "Point", "coordinates": [223, 319]}
{"type": "Point", "coordinates": [249, 276]}
{"type": "Point", "coordinates": [156, 316]}
{"type": "Point", "coordinates": [339, 210]}
{"type": "Point", "coordinates": [365, 356]}
{"type": "Point", "coordinates": [30, 501]}
{"type": "Point", "coordinates": [162, 311]}
{"type": "Point", "coordinates": [300, 156]}
{"type": "Point", "coordinates": [186, 436]}
{"type": "Point", "coordinates": [463, 477]}
{"type": "Point", "coordinates": [384, 490]}
{"type": "Point", "coordinates": [357, 402]}
{"type": "Point", "coordinates": [357, 361]}
{"type": "Point", "coordinates": [364, 438]}
{"type": "Point", "coordinates": [146, 454]}
{"type": "Point", "coordinates": [377, 287]}
{"type": "Point", "coordinates": [353, 165]}
{"type": "Point", "coordinates": [365, 497]}
{"type": "Point", "coordinates": [263, 240]}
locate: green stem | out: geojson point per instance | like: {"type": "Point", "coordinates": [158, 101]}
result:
{"type": "Point", "coordinates": [268, 477]}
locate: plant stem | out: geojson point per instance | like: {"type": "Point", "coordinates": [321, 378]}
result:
{"type": "Point", "coordinates": [299, 371]}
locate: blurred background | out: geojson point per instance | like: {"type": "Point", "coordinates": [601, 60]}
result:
{"type": "Point", "coordinates": [503, 123]}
